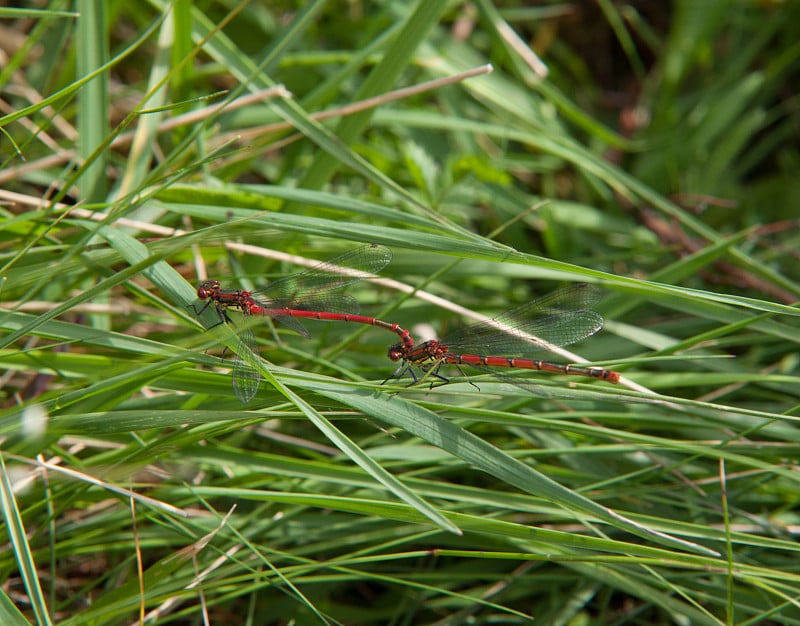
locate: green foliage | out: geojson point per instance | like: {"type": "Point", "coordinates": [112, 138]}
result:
{"type": "Point", "coordinates": [150, 145]}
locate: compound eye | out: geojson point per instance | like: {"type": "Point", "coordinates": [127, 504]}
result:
{"type": "Point", "coordinates": [205, 290]}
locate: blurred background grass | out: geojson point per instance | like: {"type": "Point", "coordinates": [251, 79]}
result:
{"type": "Point", "coordinates": [648, 147]}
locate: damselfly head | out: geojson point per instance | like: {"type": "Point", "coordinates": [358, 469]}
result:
{"type": "Point", "coordinates": [206, 289]}
{"type": "Point", "coordinates": [396, 352]}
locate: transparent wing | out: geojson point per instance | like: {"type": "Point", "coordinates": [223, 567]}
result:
{"type": "Point", "coordinates": [560, 319]}
{"type": "Point", "coordinates": [246, 374]}
{"type": "Point", "coordinates": [311, 285]}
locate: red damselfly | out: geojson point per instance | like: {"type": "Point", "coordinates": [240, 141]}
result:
{"type": "Point", "coordinates": [306, 295]}
{"type": "Point", "coordinates": [511, 339]}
